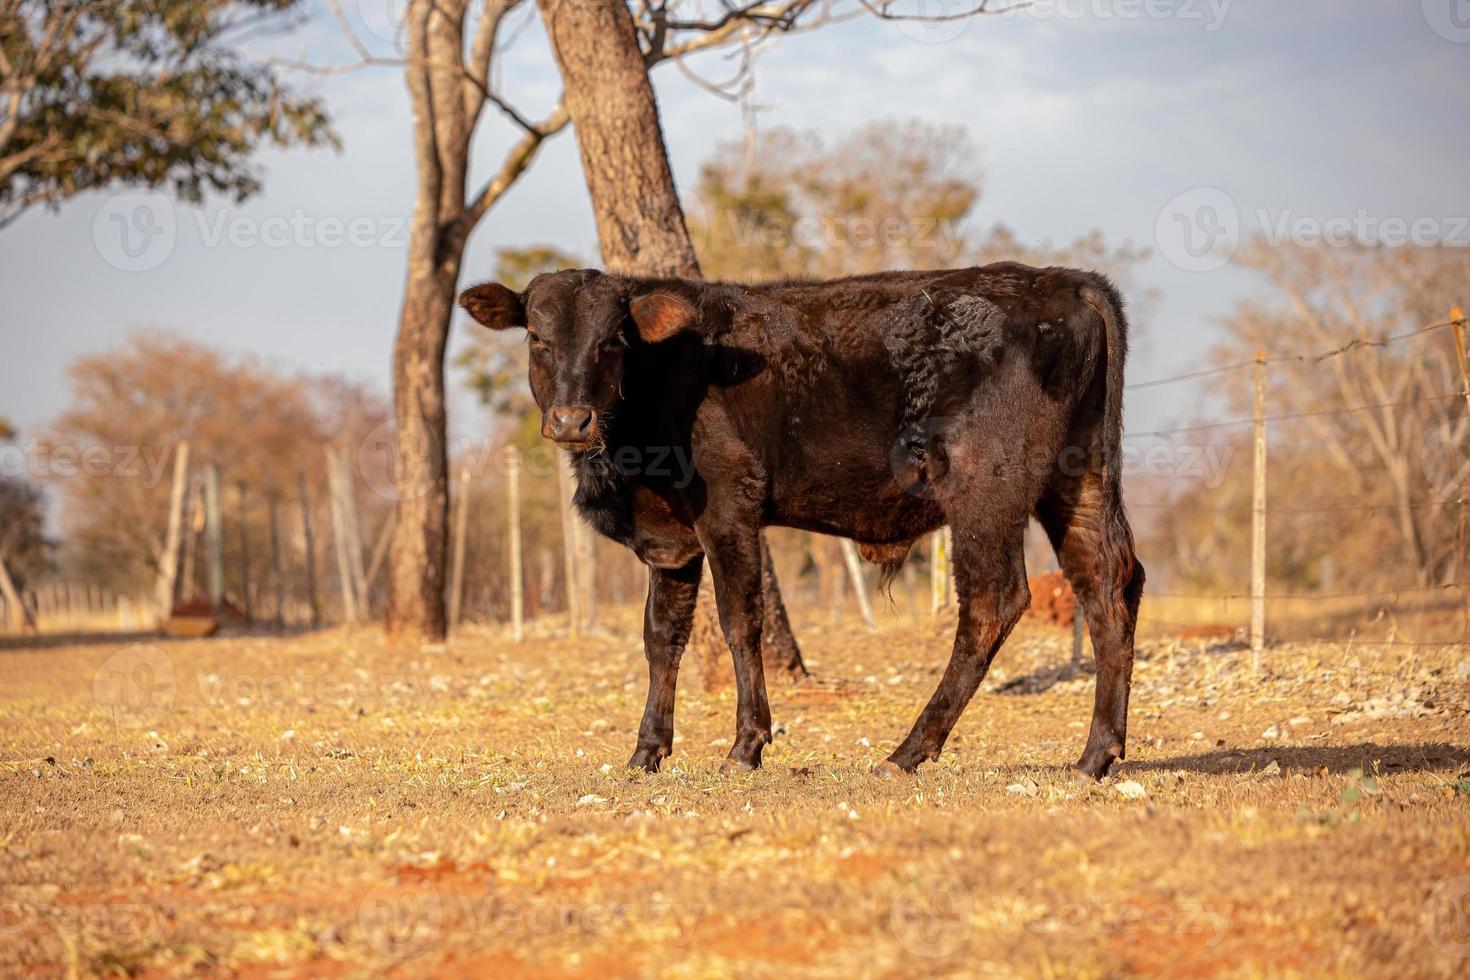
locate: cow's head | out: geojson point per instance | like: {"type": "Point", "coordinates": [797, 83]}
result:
{"type": "Point", "coordinates": [579, 325]}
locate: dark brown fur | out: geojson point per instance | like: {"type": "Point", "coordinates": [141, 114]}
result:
{"type": "Point", "coordinates": [877, 408]}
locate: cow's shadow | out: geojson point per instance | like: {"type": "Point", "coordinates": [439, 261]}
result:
{"type": "Point", "coordinates": [1437, 757]}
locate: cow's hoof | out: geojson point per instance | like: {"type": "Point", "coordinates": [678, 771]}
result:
{"type": "Point", "coordinates": [888, 769]}
{"type": "Point", "coordinates": [1095, 763]}
{"type": "Point", "coordinates": [646, 759]}
{"type": "Point", "coordinates": [738, 765]}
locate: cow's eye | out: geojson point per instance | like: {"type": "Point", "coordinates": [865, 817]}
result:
{"type": "Point", "coordinates": [535, 338]}
{"type": "Point", "coordinates": [615, 343]}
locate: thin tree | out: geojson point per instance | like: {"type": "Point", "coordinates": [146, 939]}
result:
{"type": "Point", "coordinates": [449, 57]}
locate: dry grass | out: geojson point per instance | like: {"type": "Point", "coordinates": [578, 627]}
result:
{"type": "Point", "coordinates": [326, 805]}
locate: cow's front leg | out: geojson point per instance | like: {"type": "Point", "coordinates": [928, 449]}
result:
{"type": "Point", "coordinates": [667, 619]}
{"type": "Point", "coordinates": [734, 553]}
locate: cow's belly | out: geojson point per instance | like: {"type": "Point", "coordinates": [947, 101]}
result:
{"type": "Point", "coordinates": [850, 497]}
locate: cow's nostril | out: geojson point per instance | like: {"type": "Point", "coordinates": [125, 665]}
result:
{"type": "Point", "coordinates": [568, 424]}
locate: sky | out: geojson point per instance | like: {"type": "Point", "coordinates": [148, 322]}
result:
{"type": "Point", "coordinates": [1172, 124]}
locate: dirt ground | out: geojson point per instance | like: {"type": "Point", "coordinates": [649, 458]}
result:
{"type": "Point", "coordinates": [325, 805]}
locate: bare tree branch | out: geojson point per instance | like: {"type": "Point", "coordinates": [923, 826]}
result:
{"type": "Point", "coordinates": [516, 161]}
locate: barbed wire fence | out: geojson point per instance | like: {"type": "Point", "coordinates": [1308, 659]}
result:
{"type": "Point", "coordinates": [71, 605]}
{"type": "Point", "coordinates": [1455, 495]}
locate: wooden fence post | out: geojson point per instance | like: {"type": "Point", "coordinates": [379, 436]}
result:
{"type": "Point", "coordinates": [340, 538]}
{"type": "Point", "coordinates": [859, 588]}
{"type": "Point", "coordinates": [517, 578]}
{"type": "Point", "coordinates": [1076, 633]}
{"type": "Point", "coordinates": [1258, 520]}
{"type": "Point", "coordinates": [1457, 317]}
{"type": "Point", "coordinates": [214, 536]}
{"type": "Point", "coordinates": [569, 543]}
{"type": "Point", "coordinates": [311, 596]}
{"type": "Point", "coordinates": [353, 528]}
{"type": "Point", "coordinates": [380, 550]}
{"type": "Point", "coordinates": [941, 575]}
{"type": "Point", "coordinates": [13, 602]}
{"type": "Point", "coordinates": [277, 572]}
{"type": "Point", "coordinates": [461, 527]}
{"type": "Point", "coordinates": [244, 516]}
{"type": "Point", "coordinates": [168, 567]}
{"type": "Point", "coordinates": [582, 537]}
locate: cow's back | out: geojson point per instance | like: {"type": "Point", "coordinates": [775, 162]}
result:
{"type": "Point", "coordinates": [838, 380]}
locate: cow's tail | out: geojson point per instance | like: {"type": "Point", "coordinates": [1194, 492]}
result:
{"type": "Point", "coordinates": [1117, 536]}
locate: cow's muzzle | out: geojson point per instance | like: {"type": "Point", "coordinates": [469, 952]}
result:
{"type": "Point", "coordinates": [574, 427]}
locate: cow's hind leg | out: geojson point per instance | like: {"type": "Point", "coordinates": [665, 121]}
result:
{"type": "Point", "coordinates": [667, 620]}
{"type": "Point", "coordinates": [990, 586]}
{"type": "Point", "coordinates": [1094, 546]}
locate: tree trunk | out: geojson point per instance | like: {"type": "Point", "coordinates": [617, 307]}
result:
{"type": "Point", "coordinates": [640, 223]}
{"type": "Point", "coordinates": [416, 555]}
{"type": "Point", "coordinates": [442, 127]}
{"type": "Point", "coordinates": [779, 651]}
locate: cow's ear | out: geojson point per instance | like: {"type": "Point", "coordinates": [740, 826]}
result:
{"type": "Point", "coordinates": [494, 305]}
{"type": "Point", "coordinates": [661, 315]}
